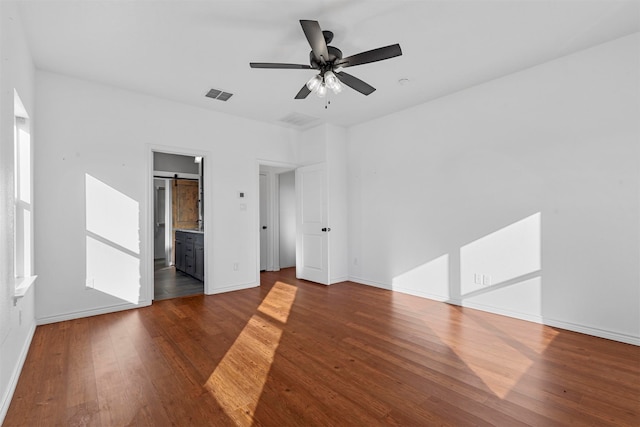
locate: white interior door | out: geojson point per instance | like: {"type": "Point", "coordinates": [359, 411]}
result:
{"type": "Point", "coordinates": [312, 230]}
{"type": "Point", "coordinates": [263, 222]}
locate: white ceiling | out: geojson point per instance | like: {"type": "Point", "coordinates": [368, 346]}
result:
{"type": "Point", "coordinates": [179, 49]}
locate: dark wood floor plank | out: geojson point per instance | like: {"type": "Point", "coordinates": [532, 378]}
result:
{"type": "Point", "coordinates": [82, 406]}
{"type": "Point", "coordinates": [293, 353]}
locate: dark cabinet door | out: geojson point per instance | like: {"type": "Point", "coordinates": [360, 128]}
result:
{"type": "Point", "coordinates": [199, 259]}
{"type": "Point", "coordinates": [179, 261]}
{"type": "Point", "coordinates": [190, 265]}
{"type": "Point", "coordinates": [190, 253]}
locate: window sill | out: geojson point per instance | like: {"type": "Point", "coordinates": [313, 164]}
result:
{"type": "Point", "coordinates": [22, 286]}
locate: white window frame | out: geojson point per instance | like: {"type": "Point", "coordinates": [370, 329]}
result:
{"type": "Point", "coordinates": [23, 202]}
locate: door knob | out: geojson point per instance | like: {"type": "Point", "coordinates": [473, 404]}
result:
{"type": "Point", "coordinates": [264, 227]}
{"type": "Point", "coordinates": [326, 229]}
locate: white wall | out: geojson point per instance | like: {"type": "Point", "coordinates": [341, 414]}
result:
{"type": "Point", "coordinates": [530, 180]}
{"type": "Point", "coordinates": [328, 144]}
{"type": "Point", "coordinates": [93, 132]}
{"type": "Point", "coordinates": [17, 323]}
{"type": "Point", "coordinates": [312, 146]}
{"type": "Point", "coordinates": [287, 219]}
{"type": "Point", "coordinates": [336, 140]}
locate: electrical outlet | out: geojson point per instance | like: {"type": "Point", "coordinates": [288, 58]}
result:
{"type": "Point", "coordinates": [235, 266]}
{"type": "Point", "coordinates": [355, 261]}
{"type": "Point", "coordinates": [482, 279]}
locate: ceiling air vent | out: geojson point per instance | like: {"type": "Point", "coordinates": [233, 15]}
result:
{"type": "Point", "coordinates": [219, 95]}
{"type": "Point", "coordinates": [299, 120]}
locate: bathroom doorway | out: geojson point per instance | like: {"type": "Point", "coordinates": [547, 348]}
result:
{"type": "Point", "coordinates": [178, 229]}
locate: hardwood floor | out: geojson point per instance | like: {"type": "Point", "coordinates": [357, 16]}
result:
{"type": "Point", "coordinates": [171, 283]}
{"type": "Point", "coordinates": [300, 354]}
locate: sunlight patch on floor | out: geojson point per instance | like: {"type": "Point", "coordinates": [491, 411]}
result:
{"type": "Point", "coordinates": [279, 301]}
{"type": "Point", "coordinates": [238, 380]}
{"type": "Point", "coordinates": [505, 359]}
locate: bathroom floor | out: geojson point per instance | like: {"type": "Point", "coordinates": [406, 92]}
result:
{"type": "Point", "coordinates": [169, 283]}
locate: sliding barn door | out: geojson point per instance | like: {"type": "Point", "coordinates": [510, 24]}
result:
{"type": "Point", "coordinates": [185, 204]}
{"type": "Point", "coordinates": [184, 207]}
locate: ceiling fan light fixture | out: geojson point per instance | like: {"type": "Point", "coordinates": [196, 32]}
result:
{"type": "Point", "coordinates": [321, 90]}
{"type": "Point", "coordinates": [314, 82]}
{"type": "Point", "coordinates": [337, 88]}
{"type": "Point", "coordinates": [330, 79]}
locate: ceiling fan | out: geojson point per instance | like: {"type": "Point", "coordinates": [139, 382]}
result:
{"type": "Point", "coordinates": [328, 59]}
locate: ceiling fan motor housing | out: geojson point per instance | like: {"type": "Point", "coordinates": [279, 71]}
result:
{"type": "Point", "coordinates": [334, 53]}
{"type": "Point", "coordinates": [328, 36]}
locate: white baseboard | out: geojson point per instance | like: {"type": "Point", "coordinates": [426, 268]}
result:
{"type": "Point", "coordinates": [370, 283]}
{"type": "Point", "coordinates": [601, 333]}
{"type": "Point", "coordinates": [338, 280]}
{"type": "Point", "coordinates": [587, 330]}
{"type": "Point", "coordinates": [15, 375]}
{"type": "Point", "coordinates": [397, 289]}
{"type": "Point", "coordinates": [231, 288]}
{"type": "Point", "coordinates": [498, 310]}
{"type": "Point", "coordinates": [614, 336]}
{"type": "Point", "coordinates": [421, 294]}
{"type": "Point", "coordinates": [87, 313]}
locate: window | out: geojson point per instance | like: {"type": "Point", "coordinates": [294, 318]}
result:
{"type": "Point", "coordinates": [23, 205]}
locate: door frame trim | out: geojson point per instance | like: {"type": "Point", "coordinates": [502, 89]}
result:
{"type": "Point", "coordinates": [147, 290]}
{"type": "Point", "coordinates": [275, 237]}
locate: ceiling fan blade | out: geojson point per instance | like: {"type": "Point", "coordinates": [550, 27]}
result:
{"type": "Point", "coordinates": [304, 92]}
{"type": "Point", "coordinates": [316, 40]}
{"type": "Point", "coordinates": [279, 66]}
{"type": "Point", "coordinates": [355, 83]}
{"type": "Point", "coordinates": [374, 55]}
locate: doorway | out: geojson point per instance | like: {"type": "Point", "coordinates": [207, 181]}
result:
{"type": "Point", "coordinates": [179, 234]}
{"type": "Point", "coordinates": [277, 240]}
